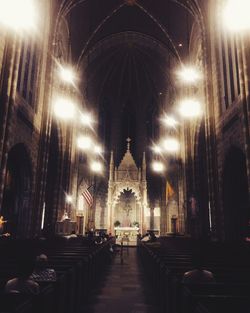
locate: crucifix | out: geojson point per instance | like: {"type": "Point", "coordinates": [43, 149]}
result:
{"type": "Point", "coordinates": [127, 209]}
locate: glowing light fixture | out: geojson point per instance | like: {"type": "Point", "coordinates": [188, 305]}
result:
{"type": "Point", "coordinates": [69, 199]}
{"type": "Point", "coordinates": [190, 108]}
{"type": "Point", "coordinates": [64, 108]}
{"type": "Point", "coordinates": [171, 145]}
{"type": "Point", "coordinates": [96, 166]}
{"type": "Point", "coordinates": [67, 74]}
{"type": "Point", "coordinates": [189, 74]}
{"type": "Point", "coordinates": [157, 166]}
{"type": "Point", "coordinates": [18, 14]}
{"type": "Point", "coordinates": [84, 142]}
{"type": "Point", "coordinates": [86, 119]}
{"type": "Point", "coordinates": [236, 15]}
{"type": "Point", "coordinates": [169, 121]}
{"type": "Point", "coordinates": [157, 149]}
{"type": "Point", "coordinates": [98, 149]}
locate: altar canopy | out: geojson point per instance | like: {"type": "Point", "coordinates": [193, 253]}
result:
{"type": "Point", "coordinates": [127, 193]}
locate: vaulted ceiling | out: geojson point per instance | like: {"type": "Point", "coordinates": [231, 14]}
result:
{"type": "Point", "coordinates": [126, 52]}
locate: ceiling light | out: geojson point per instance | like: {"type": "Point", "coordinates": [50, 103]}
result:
{"type": "Point", "coordinates": [86, 119]}
{"type": "Point", "coordinates": [96, 166]}
{"type": "Point", "coordinates": [169, 121]}
{"type": "Point", "coordinates": [98, 149]}
{"type": "Point", "coordinates": [84, 142]}
{"type": "Point", "coordinates": [171, 145]}
{"type": "Point", "coordinates": [69, 199]}
{"type": "Point", "coordinates": [236, 15]}
{"type": "Point", "coordinates": [18, 14]}
{"type": "Point", "coordinates": [157, 149]}
{"type": "Point", "coordinates": [189, 74]}
{"type": "Point", "coordinates": [64, 108]}
{"type": "Point", "coordinates": [157, 166]}
{"type": "Point", "coordinates": [67, 74]}
{"type": "Point", "coordinates": [190, 108]}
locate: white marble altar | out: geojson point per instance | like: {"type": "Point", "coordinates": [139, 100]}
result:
{"type": "Point", "coordinates": [126, 234]}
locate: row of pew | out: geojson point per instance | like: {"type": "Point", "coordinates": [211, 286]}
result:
{"type": "Point", "coordinates": [79, 266]}
{"type": "Point", "coordinates": [165, 263]}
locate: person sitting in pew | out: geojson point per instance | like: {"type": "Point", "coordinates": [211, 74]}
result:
{"type": "Point", "coordinates": [98, 240]}
{"type": "Point", "coordinates": [198, 275]}
{"type": "Point", "coordinates": [42, 272]}
{"type": "Point", "coordinates": [23, 283]}
{"type": "Point", "coordinates": [146, 237]}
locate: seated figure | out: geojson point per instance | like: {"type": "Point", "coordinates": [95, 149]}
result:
{"type": "Point", "coordinates": [198, 275]}
{"type": "Point", "coordinates": [145, 238]}
{"type": "Point", "coordinates": [42, 272]}
{"type": "Point", "coordinates": [23, 283]}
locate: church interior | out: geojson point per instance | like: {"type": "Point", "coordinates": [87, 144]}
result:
{"type": "Point", "coordinates": [124, 156]}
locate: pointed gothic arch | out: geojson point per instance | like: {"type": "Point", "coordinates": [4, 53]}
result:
{"type": "Point", "coordinates": [127, 176]}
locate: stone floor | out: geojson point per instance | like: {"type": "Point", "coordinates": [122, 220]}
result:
{"type": "Point", "coordinates": [123, 289]}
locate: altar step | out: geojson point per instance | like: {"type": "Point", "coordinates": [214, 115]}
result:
{"type": "Point", "coordinates": [126, 243]}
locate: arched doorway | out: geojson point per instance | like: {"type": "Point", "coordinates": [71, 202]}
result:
{"type": "Point", "coordinates": [235, 195]}
{"type": "Point", "coordinates": [17, 192]}
{"type": "Point", "coordinates": [52, 183]}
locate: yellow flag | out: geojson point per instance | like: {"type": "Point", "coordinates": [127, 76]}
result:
{"type": "Point", "coordinates": [169, 191]}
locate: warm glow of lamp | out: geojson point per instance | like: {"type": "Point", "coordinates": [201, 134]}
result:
{"type": "Point", "coordinates": [157, 166]}
{"type": "Point", "coordinates": [169, 121]}
{"type": "Point", "coordinates": [86, 119]}
{"type": "Point", "coordinates": [236, 15]}
{"type": "Point", "coordinates": [189, 74]}
{"type": "Point", "coordinates": [84, 142]}
{"type": "Point", "coordinates": [96, 166]}
{"type": "Point", "coordinates": [171, 145]}
{"type": "Point", "coordinates": [18, 14]}
{"type": "Point", "coordinates": [67, 74]}
{"type": "Point", "coordinates": [190, 108]}
{"type": "Point", "coordinates": [64, 108]}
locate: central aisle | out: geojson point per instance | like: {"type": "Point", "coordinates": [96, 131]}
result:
{"type": "Point", "coordinates": [124, 290]}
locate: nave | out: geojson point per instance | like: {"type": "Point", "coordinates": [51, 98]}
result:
{"type": "Point", "coordinates": [124, 288]}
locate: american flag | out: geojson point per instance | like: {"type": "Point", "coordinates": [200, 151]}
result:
{"type": "Point", "coordinates": [88, 196]}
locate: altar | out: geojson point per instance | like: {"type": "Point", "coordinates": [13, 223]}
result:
{"type": "Point", "coordinates": [127, 198]}
{"type": "Point", "coordinates": [127, 235]}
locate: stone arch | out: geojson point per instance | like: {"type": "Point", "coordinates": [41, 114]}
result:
{"type": "Point", "coordinates": [17, 191]}
{"type": "Point", "coordinates": [127, 205]}
{"type": "Point", "coordinates": [126, 186]}
{"type": "Point", "coordinates": [235, 195]}
{"type": "Point", "coordinates": [172, 46]}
